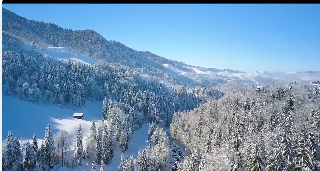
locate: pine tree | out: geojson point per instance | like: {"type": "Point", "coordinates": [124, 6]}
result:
{"type": "Point", "coordinates": [176, 166]}
{"type": "Point", "coordinates": [78, 153]}
{"type": "Point", "coordinates": [123, 141]}
{"type": "Point", "coordinates": [42, 157]}
{"type": "Point", "coordinates": [131, 164]}
{"type": "Point", "coordinates": [18, 153]}
{"type": "Point", "coordinates": [94, 167]}
{"type": "Point", "coordinates": [91, 141]}
{"type": "Point", "coordinates": [126, 131]}
{"type": "Point", "coordinates": [104, 108]}
{"type": "Point", "coordinates": [8, 155]}
{"type": "Point", "coordinates": [255, 158]}
{"type": "Point", "coordinates": [4, 158]}
{"type": "Point", "coordinates": [30, 157]}
{"type": "Point", "coordinates": [99, 145]}
{"type": "Point", "coordinates": [35, 143]}
{"type": "Point", "coordinates": [314, 147]}
{"type": "Point", "coordinates": [103, 166]}
{"type": "Point", "coordinates": [143, 160]}
{"type": "Point", "coordinates": [35, 146]}
{"type": "Point", "coordinates": [48, 148]}
{"type": "Point", "coordinates": [107, 146]}
{"type": "Point", "coordinates": [188, 164]}
{"type": "Point", "coordinates": [122, 166]}
{"type": "Point", "coordinates": [304, 155]}
{"type": "Point", "coordinates": [151, 129]}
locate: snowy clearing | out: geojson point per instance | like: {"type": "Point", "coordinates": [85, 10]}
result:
{"type": "Point", "coordinates": [26, 118]}
{"type": "Point", "coordinates": [62, 54]}
{"type": "Point", "coordinates": [33, 118]}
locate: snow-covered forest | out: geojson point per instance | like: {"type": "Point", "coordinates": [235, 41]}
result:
{"type": "Point", "coordinates": [275, 127]}
{"type": "Point", "coordinates": [193, 123]}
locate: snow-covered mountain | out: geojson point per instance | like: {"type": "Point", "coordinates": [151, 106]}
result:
{"type": "Point", "coordinates": [88, 46]}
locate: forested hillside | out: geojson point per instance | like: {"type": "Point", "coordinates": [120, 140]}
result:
{"type": "Point", "coordinates": [276, 127]}
{"type": "Point", "coordinates": [92, 44]}
{"type": "Point", "coordinates": [146, 64]}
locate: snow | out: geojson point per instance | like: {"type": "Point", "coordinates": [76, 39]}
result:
{"type": "Point", "coordinates": [198, 71]}
{"type": "Point", "coordinates": [166, 65]}
{"type": "Point", "coordinates": [26, 118]}
{"type": "Point", "coordinates": [258, 77]}
{"type": "Point", "coordinates": [62, 54]}
{"type": "Point", "coordinates": [178, 71]}
{"type": "Point", "coordinates": [78, 114]}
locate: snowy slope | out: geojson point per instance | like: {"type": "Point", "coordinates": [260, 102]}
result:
{"type": "Point", "coordinates": [195, 74]}
{"type": "Point", "coordinates": [25, 118]}
{"type": "Point", "coordinates": [257, 77]}
{"type": "Point", "coordinates": [62, 54]}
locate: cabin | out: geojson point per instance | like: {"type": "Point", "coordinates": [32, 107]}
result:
{"type": "Point", "coordinates": [78, 115]}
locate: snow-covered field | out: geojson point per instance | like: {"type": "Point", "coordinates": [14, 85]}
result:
{"type": "Point", "coordinates": [25, 118]}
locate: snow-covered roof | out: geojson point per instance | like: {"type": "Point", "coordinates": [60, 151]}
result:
{"type": "Point", "coordinates": [259, 86]}
{"type": "Point", "coordinates": [78, 114]}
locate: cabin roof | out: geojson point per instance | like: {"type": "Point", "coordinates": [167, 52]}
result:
{"type": "Point", "coordinates": [78, 114]}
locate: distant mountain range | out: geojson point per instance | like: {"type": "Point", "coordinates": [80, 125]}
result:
{"type": "Point", "coordinates": [88, 46]}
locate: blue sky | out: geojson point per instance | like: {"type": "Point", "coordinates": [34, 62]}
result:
{"type": "Point", "coordinates": [247, 37]}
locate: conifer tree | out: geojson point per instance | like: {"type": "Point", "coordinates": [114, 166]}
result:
{"type": "Point", "coordinates": [99, 145]}
{"type": "Point", "coordinates": [48, 148]}
{"type": "Point", "coordinates": [8, 153]}
{"type": "Point", "coordinates": [176, 166]}
{"type": "Point", "coordinates": [131, 164]}
{"type": "Point", "coordinates": [107, 145]}
{"type": "Point", "coordinates": [94, 167]}
{"type": "Point", "coordinates": [103, 166]}
{"type": "Point", "coordinates": [42, 157]}
{"type": "Point", "coordinates": [91, 142]}
{"type": "Point", "coordinates": [143, 159]}
{"type": "Point", "coordinates": [78, 153]}
{"type": "Point", "coordinates": [35, 143]}
{"type": "Point", "coordinates": [29, 163]}
{"type": "Point", "coordinates": [122, 163]}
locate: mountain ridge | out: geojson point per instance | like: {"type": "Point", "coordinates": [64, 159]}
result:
{"type": "Point", "coordinates": [93, 44]}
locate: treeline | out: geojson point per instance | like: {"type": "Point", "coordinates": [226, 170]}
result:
{"type": "Point", "coordinates": [275, 127]}
{"type": "Point", "coordinates": [99, 145]}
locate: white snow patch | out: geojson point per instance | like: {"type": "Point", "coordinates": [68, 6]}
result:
{"type": "Point", "coordinates": [166, 65]}
{"type": "Point", "coordinates": [63, 54]}
{"type": "Point", "coordinates": [71, 125]}
{"type": "Point", "coordinates": [178, 71]}
{"type": "Point", "coordinates": [198, 71]}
